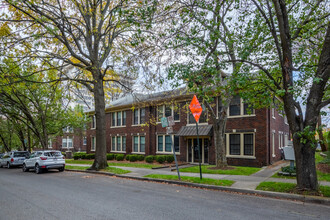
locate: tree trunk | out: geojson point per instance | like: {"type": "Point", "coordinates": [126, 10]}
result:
{"type": "Point", "coordinates": [219, 141]}
{"type": "Point", "coordinates": [100, 161]}
{"type": "Point", "coordinates": [305, 164]}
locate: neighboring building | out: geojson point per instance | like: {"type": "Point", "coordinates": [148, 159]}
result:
{"type": "Point", "coordinates": [253, 138]}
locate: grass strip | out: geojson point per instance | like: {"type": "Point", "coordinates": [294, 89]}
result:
{"type": "Point", "coordinates": [108, 169]}
{"type": "Point", "coordinates": [136, 165]}
{"type": "Point", "coordinates": [236, 170]}
{"type": "Point", "coordinates": [290, 188]}
{"type": "Point", "coordinates": [207, 181]}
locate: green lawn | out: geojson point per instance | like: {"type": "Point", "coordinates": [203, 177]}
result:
{"type": "Point", "coordinates": [108, 169]}
{"type": "Point", "coordinates": [192, 179]}
{"type": "Point", "coordinates": [137, 165]}
{"type": "Point", "coordinates": [288, 188]}
{"type": "Point", "coordinates": [246, 171]}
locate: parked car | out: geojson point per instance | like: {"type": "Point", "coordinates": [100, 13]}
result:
{"type": "Point", "coordinates": [14, 158]}
{"type": "Point", "coordinates": [44, 160]}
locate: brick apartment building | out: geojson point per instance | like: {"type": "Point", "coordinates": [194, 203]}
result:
{"type": "Point", "coordinates": [133, 127]}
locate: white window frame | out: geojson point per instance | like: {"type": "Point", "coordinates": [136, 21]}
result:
{"type": "Point", "coordinates": [166, 152]}
{"type": "Point", "coordinates": [200, 123]}
{"type": "Point", "coordinates": [253, 113]}
{"type": "Point", "coordinates": [84, 140]}
{"type": "Point", "coordinates": [139, 116]}
{"type": "Point", "coordinates": [67, 138]}
{"type": "Point", "coordinates": [139, 144]}
{"type": "Point", "coordinates": [93, 123]}
{"type": "Point", "coordinates": [163, 110]}
{"type": "Point", "coordinates": [93, 145]}
{"type": "Point", "coordinates": [273, 143]}
{"type": "Point", "coordinates": [50, 143]}
{"type": "Point", "coordinates": [116, 122]}
{"type": "Point", "coordinates": [241, 146]}
{"type": "Point", "coordinates": [121, 144]}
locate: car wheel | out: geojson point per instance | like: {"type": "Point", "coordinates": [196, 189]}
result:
{"type": "Point", "coordinates": [8, 165]}
{"type": "Point", "coordinates": [61, 169]}
{"type": "Point", "coordinates": [24, 168]}
{"type": "Point", "coordinates": [37, 169]}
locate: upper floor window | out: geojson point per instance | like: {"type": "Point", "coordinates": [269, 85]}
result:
{"type": "Point", "coordinates": [139, 116]}
{"type": "Point", "coordinates": [67, 142]}
{"type": "Point", "coordinates": [118, 118]}
{"type": "Point", "coordinates": [68, 129]}
{"type": "Point", "coordinates": [93, 122]}
{"type": "Point", "coordinates": [84, 140]}
{"type": "Point", "coordinates": [202, 119]}
{"type": "Point", "coordinates": [237, 107]}
{"type": "Point", "coordinates": [168, 110]}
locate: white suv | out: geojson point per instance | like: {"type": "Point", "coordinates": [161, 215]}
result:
{"type": "Point", "coordinates": [44, 160]}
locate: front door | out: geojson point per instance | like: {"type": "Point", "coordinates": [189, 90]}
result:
{"type": "Point", "coordinates": [192, 150]}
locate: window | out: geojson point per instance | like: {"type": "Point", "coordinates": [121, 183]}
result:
{"type": "Point", "coordinates": [139, 116]}
{"type": "Point", "coordinates": [168, 110]}
{"type": "Point", "coordinates": [139, 144]}
{"type": "Point", "coordinates": [93, 122]}
{"type": "Point", "coordinates": [67, 142]}
{"type": "Point", "coordinates": [118, 144]}
{"type": "Point", "coordinates": [84, 140]}
{"type": "Point", "coordinates": [202, 119]}
{"type": "Point", "coordinates": [273, 143]}
{"type": "Point", "coordinates": [93, 144]}
{"type": "Point", "coordinates": [240, 144]}
{"type": "Point", "coordinates": [238, 107]}
{"type": "Point", "coordinates": [68, 129]}
{"type": "Point", "coordinates": [273, 112]}
{"type": "Point", "coordinates": [164, 143]}
{"type": "Point", "coordinates": [118, 118]}
{"type": "Point", "coordinates": [50, 143]}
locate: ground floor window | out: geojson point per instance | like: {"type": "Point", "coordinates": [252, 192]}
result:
{"type": "Point", "coordinates": [67, 142]}
{"type": "Point", "coordinates": [93, 144]}
{"type": "Point", "coordinates": [164, 143]}
{"type": "Point", "coordinates": [118, 144]}
{"type": "Point", "coordinates": [240, 144]}
{"type": "Point", "coordinates": [139, 144]}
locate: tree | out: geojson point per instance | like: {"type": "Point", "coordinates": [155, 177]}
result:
{"type": "Point", "coordinates": [293, 63]}
{"type": "Point", "coordinates": [205, 31]}
{"type": "Point", "coordinates": [95, 36]}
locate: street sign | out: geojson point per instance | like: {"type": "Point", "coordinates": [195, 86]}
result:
{"type": "Point", "coordinates": [288, 153]}
{"type": "Point", "coordinates": [195, 108]}
{"type": "Point", "coordinates": [164, 122]}
{"type": "Point", "coordinates": [170, 121]}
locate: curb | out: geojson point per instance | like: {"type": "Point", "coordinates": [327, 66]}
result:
{"type": "Point", "coordinates": [269, 194]}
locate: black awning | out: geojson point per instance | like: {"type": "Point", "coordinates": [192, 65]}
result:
{"type": "Point", "coordinates": [203, 130]}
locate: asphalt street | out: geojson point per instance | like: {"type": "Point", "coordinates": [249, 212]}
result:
{"type": "Point", "coordinates": [70, 195]}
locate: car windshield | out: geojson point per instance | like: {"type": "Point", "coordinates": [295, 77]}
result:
{"type": "Point", "coordinates": [53, 154]}
{"type": "Point", "coordinates": [21, 154]}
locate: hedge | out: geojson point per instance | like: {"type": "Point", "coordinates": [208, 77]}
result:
{"type": "Point", "coordinates": [140, 157]}
{"type": "Point", "coordinates": [149, 159]}
{"type": "Point", "coordinates": [119, 157]}
{"type": "Point", "coordinates": [160, 158]}
{"type": "Point", "coordinates": [169, 158]}
{"type": "Point", "coordinates": [110, 156]}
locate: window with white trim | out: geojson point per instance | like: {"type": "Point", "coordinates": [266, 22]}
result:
{"type": "Point", "coordinates": [118, 144]}
{"type": "Point", "coordinates": [93, 126]}
{"type": "Point", "coordinates": [68, 129]}
{"type": "Point", "coordinates": [50, 143]}
{"type": "Point", "coordinates": [139, 116]}
{"type": "Point", "coordinates": [164, 143]}
{"type": "Point", "coordinates": [238, 107]}
{"type": "Point", "coordinates": [84, 140]}
{"type": "Point", "coordinates": [240, 144]}
{"type": "Point", "coordinates": [118, 118]}
{"type": "Point", "coordinates": [168, 110]}
{"type": "Point", "coordinates": [93, 143]}
{"type": "Point", "coordinates": [67, 142]}
{"type": "Point", "coordinates": [139, 144]}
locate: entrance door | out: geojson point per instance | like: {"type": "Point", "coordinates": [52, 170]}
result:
{"type": "Point", "coordinates": [192, 150]}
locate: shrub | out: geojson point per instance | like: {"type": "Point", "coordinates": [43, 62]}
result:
{"type": "Point", "coordinates": [64, 154]}
{"type": "Point", "coordinates": [79, 155]}
{"type": "Point", "coordinates": [90, 156]}
{"type": "Point", "coordinates": [169, 158]}
{"type": "Point", "coordinates": [149, 159]}
{"type": "Point", "coordinates": [160, 158]}
{"type": "Point", "coordinates": [133, 157]}
{"type": "Point", "coordinates": [110, 156]}
{"type": "Point", "coordinates": [120, 157]}
{"type": "Point", "coordinates": [288, 169]}
{"type": "Point", "coordinates": [140, 157]}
